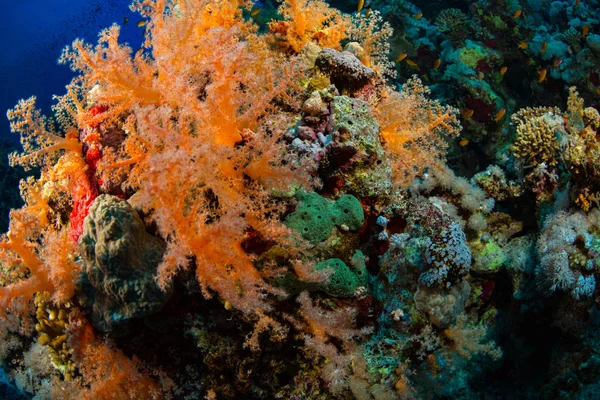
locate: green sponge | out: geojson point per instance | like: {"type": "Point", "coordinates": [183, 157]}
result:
{"type": "Point", "coordinates": [316, 216]}
{"type": "Point", "coordinates": [344, 281]}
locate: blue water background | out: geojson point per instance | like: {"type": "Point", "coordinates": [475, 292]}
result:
{"type": "Point", "coordinates": [32, 36]}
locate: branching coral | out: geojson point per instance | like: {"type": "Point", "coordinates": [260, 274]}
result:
{"type": "Point", "coordinates": [452, 22]}
{"type": "Point", "coordinates": [309, 20]}
{"type": "Point", "coordinates": [413, 128]}
{"type": "Point", "coordinates": [547, 139]}
{"type": "Point", "coordinates": [373, 35]}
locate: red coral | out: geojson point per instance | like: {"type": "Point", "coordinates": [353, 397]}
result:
{"type": "Point", "coordinates": [85, 191]}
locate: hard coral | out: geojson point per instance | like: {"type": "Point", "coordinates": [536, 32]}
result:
{"type": "Point", "coordinates": [452, 22]}
{"type": "Point", "coordinates": [538, 133]}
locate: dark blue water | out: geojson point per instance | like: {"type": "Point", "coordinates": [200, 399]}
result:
{"type": "Point", "coordinates": [32, 36]}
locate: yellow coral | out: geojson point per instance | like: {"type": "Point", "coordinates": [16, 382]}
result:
{"type": "Point", "coordinates": [537, 141]}
{"type": "Point", "coordinates": [52, 328]}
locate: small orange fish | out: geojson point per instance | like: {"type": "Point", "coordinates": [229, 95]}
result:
{"type": "Point", "coordinates": [368, 12]}
{"type": "Point", "coordinates": [400, 57]}
{"type": "Point", "coordinates": [437, 64]}
{"type": "Point", "coordinates": [544, 46]}
{"type": "Point", "coordinates": [577, 3]}
{"type": "Point", "coordinates": [418, 16]}
{"type": "Point", "coordinates": [412, 63]}
{"type": "Point", "coordinates": [467, 113]}
{"type": "Point", "coordinates": [499, 115]}
{"type": "Point", "coordinates": [598, 91]}
{"type": "Point", "coordinates": [463, 142]}
{"type": "Point", "coordinates": [503, 70]}
{"type": "Point", "coordinates": [542, 77]}
{"type": "Point", "coordinates": [585, 31]}
{"type": "Point", "coordinates": [523, 45]}
{"type": "Point", "coordinates": [517, 14]}
{"type": "Point", "coordinates": [141, 23]}
{"type": "Point", "coordinates": [255, 12]}
{"type": "Point", "coordinates": [361, 4]}
{"type": "Point", "coordinates": [557, 62]}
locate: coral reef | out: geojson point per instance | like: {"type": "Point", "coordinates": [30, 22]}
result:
{"type": "Point", "coordinates": [260, 204]}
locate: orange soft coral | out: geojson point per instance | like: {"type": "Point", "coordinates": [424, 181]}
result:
{"type": "Point", "coordinates": [203, 105]}
{"type": "Point", "coordinates": [413, 128]}
{"type": "Point", "coordinates": [309, 20]}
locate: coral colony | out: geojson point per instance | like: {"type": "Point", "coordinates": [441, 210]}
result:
{"type": "Point", "coordinates": [297, 201]}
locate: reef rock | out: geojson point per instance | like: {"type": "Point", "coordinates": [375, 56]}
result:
{"type": "Point", "coordinates": [344, 69]}
{"type": "Point", "coordinates": [120, 260]}
{"type": "Point", "coordinates": [355, 155]}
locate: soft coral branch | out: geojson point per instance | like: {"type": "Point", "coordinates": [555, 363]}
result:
{"type": "Point", "coordinates": [37, 137]}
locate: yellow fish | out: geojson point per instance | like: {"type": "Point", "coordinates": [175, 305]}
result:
{"type": "Point", "coordinates": [523, 45]}
{"type": "Point", "coordinates": [400, 57]}
{"type": "Point", "coordinates": [255, 12]}
{"type": "Point", "coordinates": [437, 64]}
{"type": "Point", "coordinates": [517, 14]}
{"type": "Point", "coordinates": [361, 4]}
{"type": "Point", "coordinates": [141, 23]}
{"type": "Point", "coordinates": [412, 63]}
{"type": "Point", "coordinates": [542, 77]}
{"type": "Point", "coordinates": [467, 113]}
{"type": "Point", "coordinates": [503, 70]}
{"type": "Point", "coordinates": [499, 115]}
{"type": "Point", "coordinates": [544, 46]}
{"type": "Point", "coordinates": [368, 12]}
{"type": "Point", "coordinates": [418, 16]}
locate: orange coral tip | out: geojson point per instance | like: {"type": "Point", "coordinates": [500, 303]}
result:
{"type": "Point", "coordinates": [517, 14]}
{"type": "Point", "coordinates": [437, 64]}
{"type": "Point", "coordinates": [542, 77]}
{"type": "Point", "coordinates": [499, 115]}
{"type": "Point", "coordinates": [418, 16]}
{"type": "Point", "coordinates": [503, 70]}
{"type": "Point", "coordinates": [400, 57]}
{"type": "Point", "coordinates": [523, 45]}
